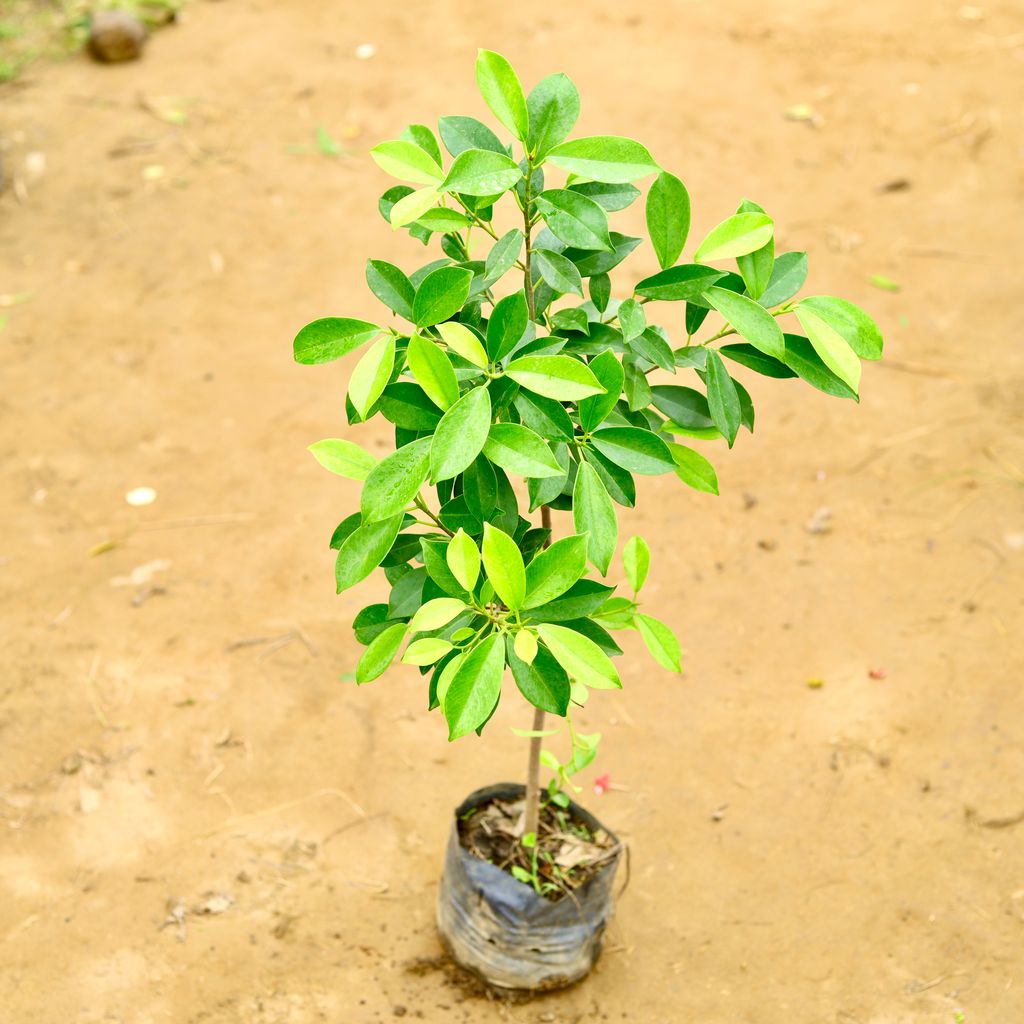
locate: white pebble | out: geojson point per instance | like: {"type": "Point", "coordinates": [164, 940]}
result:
{"type": "Point", "coordinates": [141, 496]}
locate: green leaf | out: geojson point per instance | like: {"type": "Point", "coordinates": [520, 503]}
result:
{"type": "Point", "coordinates": [850, 321]}
{"type": "Point", "coordinates": [507, 325]}
{"type": "Point", "coordinates": [612, 197]}
{"type": "Point", "coordinates": [693, 469]}
{"type": "Point", "coordinates": [503, 255]}
{"type": "Point", "coordinates": [594, 514]}
{"type": "Point", "coordinates": [424, 138]}
{"type": "Point", "coordinates": [788, 276]}
{"type": "Point", "coordinates": [553, 106]}
{"type": "Point", "coordinates": [371, 374]}
{"type": "Point", "coordinates": [571, 319]}
{"type": "Point", "coordinates": [756, 267]}
{"type": "Point", "coordinates": [544, 416]}
{"type": "Point", "coordinates": [652, 346]}
{"type": "Point", "coordinates": [463, 557]}
{"type": "Point", "coordinates": [441, 295]}
{"type": "Point", "coordinates": [807, 364]}
{"type": "Point", "coordinates": [380, 653]}
{"type": "Point", "coordinates": [636, 560]}
{"type": "Point", "coordinates": [575, 219]}
{"type": "Point", "coordinates": [343, 457]}
{"type": "Point", "coordinates": [460, 435]}
{"type": "Point", "coordinates": [434, 372]}
{"type": "Point", "coordinates": [391, 286]}
{"type": "Point", "coordinates": [405, 160]}
{"type": "Point", "coordinates": [395, 481]}
{"type": "Point", "coordinates": [684, 283]}
{"type": "Point", "coordinates": [560, 377]}
{"type": "Point", "coordinates": [604, 158]}
{"type": "Point", "coordinates": [478, 172]}
{"type": "Point", "coordinates": [503, 564]}
{"type": "Point", "coordinates": [618, 482]}
{"type": "Point", "coordinates": [833, 348]}
{"type": "Point", "coordinates": [413, 206]}
{"type": "Point", "coordinates": [583, 598]}
{"type": "Point", "coordinates": [723, 401]}
{"type": "Point", "coordinates": [668, 217]}
{"type": "Point", "coordinates": [502, 92]}
{"type": "Point", "coordinates": [632, 320]}
{"type": "Point", "coordinates": [525, 646]}
{"type": "Point", "coordinates": [517, 449]}
{"type": "Point", "coordinates": [589, 262]}
{"type": "Point", "coordinates": [426, 651]}
{"type": "Point", "coordinates": [608, 371]}
{"type": "Point", "coordinates": [461, 133]}
{"type": "Point", "coordinates": [542, 682]}
{"type": "Point", "coordinates": [635, 449]}
{"type": "Point", "coordinates": [685, 406]}
{"type": "Point", "coordinates": [750, 320]}
{"type": "Point", "coordinates": [435, 614]}
{"type": "Point", "coordinates": [752, 358]}
{"type": "Point", "coordinates": [555, 570]}
{"type": "Point", "coordinates": [735, 236]}
{"type": "Point", "coordinates": [600, 291]}
{"type": "Point", "coordinates": [444, 220]}
{"type": "Point", "coordinates": [559, 273]}
{"type": "Point", "coordinates": [406, 405]}
{"type": "Point", "coordinates": [364, 549]}
{"type": "Point", "coordinates": [331, 338]}
{"type": "Point", "coordinates": [463, 341]}
{"type": "Point", "coordinates": [475, 688]}
{"type": "Point", "coordinates": [581, 658]}
{"type": "Point", "coordinates": [661, 642]}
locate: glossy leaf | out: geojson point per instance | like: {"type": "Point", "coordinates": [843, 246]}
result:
{"type": "Point", "coordinates": [371, 374]}
{"type": "Point", "coordinates": [750, 320]}
{"type": "Point", "coordinates": [364, 549]}
{"type": "Point", "coordinates": [636, 560]}
{"type": "Point", "coordinates": [553, 107]}
{"type": "Point", "coordinates": [461, 133]}
{"type": "Point", "coordinates": [684, 283]}
{"type": "Point", "coordinates": [635, 449]}
{"type": "Point", "coordinates": [507, 325]}
{"type": "Point", "coordinates": [475, 688]}
{"type": "Point", "coordinates": [661, 642]}
{"type": "Point", "coordinates": [668, 217]}
{"type": "Point", "coordinates": [560, 377]}
{"type": "Point", "coordinates": [441, 295]}
{"type": "Point", "coordinates": [460, 436]}
{"type": "Point", "coordinates": [807, 364]}
{"type": "Point", "coordinates": [502, 92]}
{"type": "Point", "coordinates": [503, 255]}
{"type": "Point", "coordinates": [331, 338]}
{"type": "Point", "coordinates": [831, 346]}
{"type": "Point", "coordinates": [426, 651]}
{"type": "Point", "coordinates": [575, 219]}
{"type": "Point", "coordinates": [407, 406]}
{"type": "Point", "coordinates": [604, 158]}
{"type": "Point", "coordinates": [463, 341]}
{"type": "Point", "coordinates": [561, 274]}
{"type": "Point", "coordinates": [583, 598]}
{"type": "Point", "coordinates": [613, 197]}
{"type": "Point", "coordinates": [517, 449]}
{"type": "Point", "coordinates": [433, 372]}
{"type": "Point", "coordinates": [723, 401]}
{"type": "Point", "coordinates": [478, 172]}
{"type": "Point", "coordinates": [405, 160]}
{"type": "Point", "coordinates": [856, 327]}
{"type": "Point", "coordinates": [735, 236]}
{"type": "Point", "coordinates": [413, 206]}
{"type": "Point", "coordinates": [380, 653]}
{"type": "Point", "coordinates": [608, 371]}
{"type": "Point", "coordinates": [581, 658]}
{"type": "Point", "coordinates": [543, 682]}
{"type": "Point", "coordinates": [756, 267]}
{"type": "Point", "coordinates": [391, 286]}
{"type": "Point", "coordinates": [463, 557]}
{"type": "Point", "coordinates": [525, 646]}
{"type": "Point", "coordinates": [343, 457]}
{"type": "Point", "coordinates": [632, 321]}
{"type": "Point", "coordinates": [395, 481]}
{"type": "Point", "coordinates": [594, 514]}
{"type": "Point", "coordinates": [747, 355]}
{"type": "Point", "coordinates": [788, 276]}
{"type": "Point", "coordinates": [503, 564]}
{"type": "Point", "coordinates": [435, 614]}
{"type": "Point", "coordinates": [554, 570]}
{"type": "Point", "coordinates": [693, 469]}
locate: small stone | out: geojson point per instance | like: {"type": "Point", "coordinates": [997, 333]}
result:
{"type": "Point", "coordinates": [116, 36]}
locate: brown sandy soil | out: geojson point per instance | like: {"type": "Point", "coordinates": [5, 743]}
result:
{"type": "Point", "coordinates": [799, 855]}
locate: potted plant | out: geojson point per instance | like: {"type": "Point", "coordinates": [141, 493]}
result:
{"type": "Point", "coordinates": [517, 385]}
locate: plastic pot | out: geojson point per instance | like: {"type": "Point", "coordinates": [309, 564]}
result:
{"type": "Point", "coordinates": [501, 930]}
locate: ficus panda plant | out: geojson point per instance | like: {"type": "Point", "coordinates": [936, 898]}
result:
{"type": "Point", "coordinates": [520, 380]}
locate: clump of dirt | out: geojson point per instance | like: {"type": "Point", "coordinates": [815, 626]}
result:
{"type": "Point", "coordinates": [567, 852]}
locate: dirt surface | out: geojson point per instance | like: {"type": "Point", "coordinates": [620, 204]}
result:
{"type": "Point", "coordinates": [202, 823]}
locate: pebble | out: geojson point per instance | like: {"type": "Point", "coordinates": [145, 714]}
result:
{"type": "Point", "coordinates": [116, 36]}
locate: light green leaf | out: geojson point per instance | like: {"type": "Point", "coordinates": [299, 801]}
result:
{"type": "Point", "coordinates": [594, 514]}
{"type": "Point", "coordinates": [788, 276]}
{"type": "Point", "coordinates": [463, 557]}
{"type": "Point", "coordinates": [750, 319]}
{"type": "Point", "coordinates": [460, 436]}
{"type": "Point", "coordinates": [554, 570]}
{"type": "Point", "coordinates": [331, 338]}
{"type": "Point", "coordinates": [632, 320]}
{"type": "Point", "coordinates": [661, 642]}
{"type": "Point", "coordinates": [441, 295]}
{"type": "Point", "coordinates": [426, 651]}
{"type": "Point", "coordinates": [433, 371]}
{"type": "Point", "coordinates": [464, 341]}
{"type": "Point", "coordinates": [542, 681]}
{"type": "Point", "coordinates": [502, 92]}
{"type": "Point", "coordinates": [435, 614]}
{"type": "Point", "coordinates": [560, 377]}
{"type": "Point", "coordinates": [859, 330]}
{"type": "Point", "coordinates": [517, 449]}
{"type": "Point", "coordinates": [391, 286]}
{"type": "Point", "coordinates": [413, 206]}
{"type": "Point", "coordinates": [363, 550]}
{"type": "Point", "coordinates": [756, 267]}
{"type": "Point", "coordinates": [559, 273]}
{"type": "Point", "coordinates": [693, 469]}
{"type": "Point", "coordinates": [553, 107]}
{"type": "Point", "coordinates": [503, 255]}
{"type": "Point", "coordinates": [580, 657]}
{"type": "Point", "coordinates": [380, 653]}
{"type": "Point", "coordinates": [575, 219]}
{"type": "Point", "coordinates": [475, 687]}
{"type": "Point", "coordinates": [607, 158]}
{"type": "Point", "coordinates": [608, 371]}
{"type": "Point", "coordinates": [371, 374]}
{"type": "Point", "coordinates": [735, 236]}
{"type": "Point", "coordinates": [636, 560]}
{"type": "Point", "coordinates": [723, 399]}
{"type": "Point", "coordinates": [444, 680]}
{"type": "Point", "coordinates": [395, 481]}
{"type": "Point", "coordinates": [405, 160]}
{"type": "Point", "coordinates": [444, 220]}
{"type": "Point", "coordinates": [503, 563]}
{"type": "Point", "coordinates": [478, 172]}
{"type": "Point", "coordinates": [525, 646]}
{"type": "Point", "coordinates": [668, 217]}
{"type": "Point", "coordinates": [831, 346]}
{"type": "Point", "coordinates": [343, 457]}
{"type": "Point", "coordinates": [635, 449]}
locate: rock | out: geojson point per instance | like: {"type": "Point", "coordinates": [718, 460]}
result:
{"type": "Point", "coordinates": [116, 36]}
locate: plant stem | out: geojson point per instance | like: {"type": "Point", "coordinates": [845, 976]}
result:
{"type": "Point", "coordinates": [531, 816]}
{"type": "Point", "coordinates": [527, 229]}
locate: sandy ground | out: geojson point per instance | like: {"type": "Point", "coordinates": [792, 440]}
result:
{"type": "Point", "coordinates": [202, 823]}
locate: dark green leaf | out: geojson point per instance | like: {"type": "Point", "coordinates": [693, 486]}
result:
{"type": "Point", "coordinates": [618, 482]}
{"type": "Point", "coordinates": [391, 286]}
{"type": "Point", "coordinates": [370, 622]}
{"type": "Point", "coordinates": [788, 276]}
{"type": "Point", "coordinates": [436, 563]}
{"type": "Point", "coordinates": [756, 267]}
{"type": "Point", "coordinates": [608, 371]}
{"type": "Point", "coordinates": [544, 416]}
{"type": "Point", "coordinates": [425, 139]}
{"type": "Point", "coordinates": [590, 263]}
{"type": "Point", "coordinates": [747, 355]}
{"type": "Point", "coordinates": [503, 255]}
{"type": "Point", "coordinates": [580, 600]}
{"type": "Point", "coordinates": [807, 364]}
{"type": "Point", "coordinates": [507, 325]}
{"type": "Point", "coordinates": [543, 682]}
{"type": "Point", "coordinates": [407, 406]}
{"type": "Point", "coordinates": [600, 291]}
{"type": "Point", "coordinates": [723, 401]}
{"type": "Point", "coordinates": [686, 282]}
{"type": "Point", "coordinates": [560, 274]}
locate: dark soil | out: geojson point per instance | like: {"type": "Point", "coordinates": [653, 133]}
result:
{"type": "Point", "coordinates": [566, 855]}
